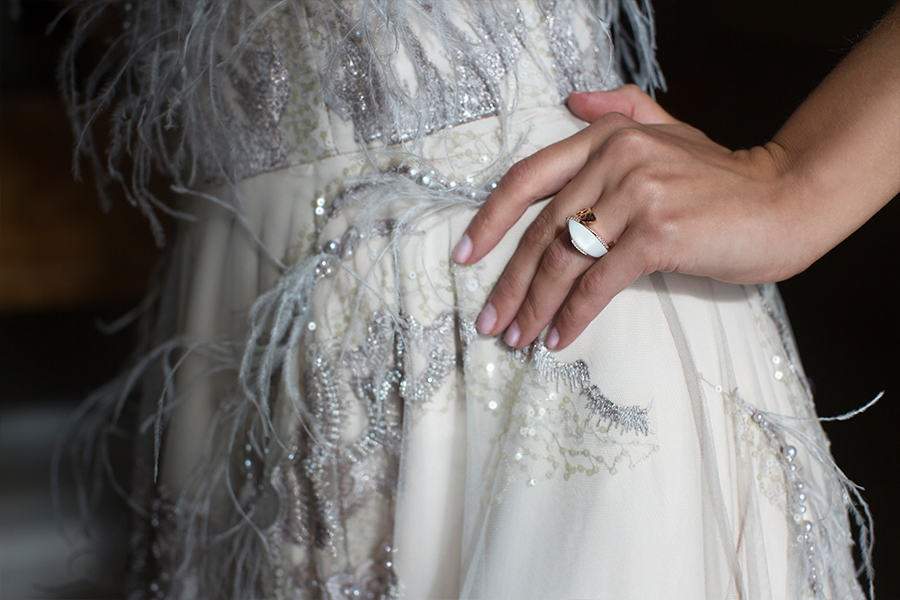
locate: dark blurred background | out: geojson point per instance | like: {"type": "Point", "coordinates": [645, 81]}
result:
{"type": "Point", "coordinates": [65, 266]}
{"type": "Point", "coordinates": [735, 68]}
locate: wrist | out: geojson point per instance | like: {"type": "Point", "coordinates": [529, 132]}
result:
{"type": "Point", "coordinates": [794, 198]}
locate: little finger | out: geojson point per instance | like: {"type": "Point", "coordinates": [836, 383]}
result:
{"type": "Point", "coordinates": [599, 284]}
{"type": "Point", "coordinates": [560, 267]}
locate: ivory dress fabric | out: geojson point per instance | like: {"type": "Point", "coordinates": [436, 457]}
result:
{"type": "Point", "coordinates": [329, 423]}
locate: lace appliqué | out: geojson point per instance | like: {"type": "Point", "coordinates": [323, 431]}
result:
{"type": "Point", "coordinates": [576, 375]}
{"type": "Point", "coordinates": [548, 433]}
{"type": "Point", "coordinates": [338, 483]}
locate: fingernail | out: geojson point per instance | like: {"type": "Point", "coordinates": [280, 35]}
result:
{"type": "Point", "coordinates": [487, 319]}
{"type": "Point", "coordinates": [552, 339]}
{"type": "Point", "coordinates": [463, 249]}
{"type": "Point", "coordinates": [512, 334]}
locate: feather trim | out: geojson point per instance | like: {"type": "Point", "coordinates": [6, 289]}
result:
{"type": "Point", "coordinates": [197, 90]}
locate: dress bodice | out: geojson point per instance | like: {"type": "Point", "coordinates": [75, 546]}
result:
{"type": "Point", "coordinates": [243, 88]}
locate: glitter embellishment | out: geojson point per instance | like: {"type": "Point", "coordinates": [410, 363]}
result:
{"type": "Point", "coordinates": [363, 89]}
{"type": "Point", "coordinates": [577, 69]}
{"type": "Point", "coordinates": [261, 82]}
{"type": "Point", "coordinates": [772, 305]}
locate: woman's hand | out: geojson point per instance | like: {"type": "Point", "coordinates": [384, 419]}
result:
{"type": "Point", "coordinates": [666, 198]}
{"type": "Point", "coordinates": [669, 199]}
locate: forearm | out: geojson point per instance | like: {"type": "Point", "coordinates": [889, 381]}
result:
{"type": "Point", "coordinates": [839, 153]}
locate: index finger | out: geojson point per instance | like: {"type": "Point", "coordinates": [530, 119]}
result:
{"type": "Point", "coordinates": [531, 179]}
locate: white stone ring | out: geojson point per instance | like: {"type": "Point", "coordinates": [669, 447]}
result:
{"type": "Point", "coordinates": [585, 239]}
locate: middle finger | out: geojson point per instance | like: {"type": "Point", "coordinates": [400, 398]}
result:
{"type": "Point", "coordinates": [513, 285]}
{"type": "Point", "coordinates": [546, 249]}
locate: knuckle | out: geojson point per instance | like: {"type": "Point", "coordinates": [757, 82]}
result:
{"type": "Point", "coordinates": [533, 310]}
{"type": "Point", "coordinates": [490, 217]}
{"type": "Point", "coordinates": [483, 222]}
{"type": "Point", "coordinates": [615, 121]}
{"type": "Point", "coordinates": [556, 259]}
{"type": "Point", "coordinates": [577, 314]}
{"type": "Point", "coordinates": [645, 183]}
{"type": "Point", "coordinates": [630, 140]}
{"type": "Point", "coordinates": [521, 173]}
{"type": "Point", "coordinates": [658, 225]}
{"type": "Point", "coordinates": [592, 283]}
{"type": "Point", "coordinates": [540, 232]}
{"type": "Point", "coordinates": [636, 94]}
{"type": "Point", "coordinates": [657, 220]}
{"type": "Point", "coordinates": [506, 289]}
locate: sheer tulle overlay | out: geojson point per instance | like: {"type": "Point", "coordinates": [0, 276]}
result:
{"type": "Point", "coordinates": [328, 421]}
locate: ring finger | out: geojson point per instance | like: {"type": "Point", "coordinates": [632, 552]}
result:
{"type": "Point", "coordinates": [561, 264]}
{"type": "Point", "coordinates": [512, 287]}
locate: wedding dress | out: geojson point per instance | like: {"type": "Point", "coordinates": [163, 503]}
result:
{"type": "Point", "coordinates": [319, 417]}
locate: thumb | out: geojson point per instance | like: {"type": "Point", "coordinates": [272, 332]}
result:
{"type": "Point", "coordinates": [629, 100]}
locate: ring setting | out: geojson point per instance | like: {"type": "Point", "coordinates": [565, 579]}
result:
{"type": "Point", "coordinates": [585, 239]}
